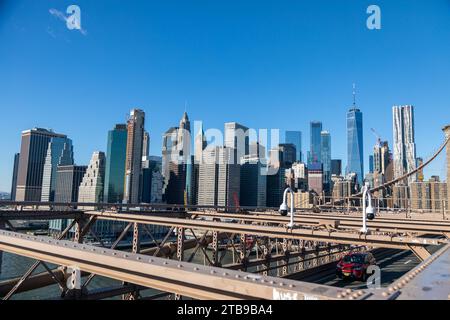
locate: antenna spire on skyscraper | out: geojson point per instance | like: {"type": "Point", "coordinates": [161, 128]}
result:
{"type": "Point", "coordinates": [354, 94]}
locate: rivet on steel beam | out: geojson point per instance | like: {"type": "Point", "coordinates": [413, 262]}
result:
{"type": "Point", "coordinates": [385, 294]}
{"type": "Point", "coordinates": [196, 269]}
{"type": "Point", "coordinates": [237, 276]}
{"type": "Point", "coordinates": [212, 271]}
{"type": "Point", "coordinates": [225, 274]}
{"type": "Point", "coordinates": [349, 290]}
{"type": "Point", "coordinates": [339, 296]}
{"type": "Point", "coordinates": [180, 266]}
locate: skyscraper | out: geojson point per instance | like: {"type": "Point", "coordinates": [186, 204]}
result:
{"type": "Point", "coordinates": [295, 138]}
{"type": "Point", "coordinates": [355, 147]}
{"type": "Point", "coordinates": [14, 176]}
{"type": "Point", "coordinates": [315, 153]}
{"type": "Point", "coordinates": [326, 158]}
{"type": "Point", "coordinates": [253, 182]}
{"type": "Point", "coordinates": [219, 178]}
{"type": "Point", "coordinates": [92, 184]}
{"type": "Point", "coordinates": [404, 141]}
{"type": "Point", "coordinates": [133, 163]}
{"type": "Point", "coordinates": [237, 138]}
{"type": "Point", "coordinates": [176, 155]}
{"type": "Point", "coordinates": [33, 152]}
{"type": "Point", "coordinates": [59, 153]}
{"type": "Point", "coordinates": [115, 164]}
{"type": "Point", "coordinates": [68, 180]}
{"type": "Point", "coordinates": [336, 167]}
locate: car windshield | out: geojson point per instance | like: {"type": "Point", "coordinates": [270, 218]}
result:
{"type": "Point", "coordinates": [354, 259]}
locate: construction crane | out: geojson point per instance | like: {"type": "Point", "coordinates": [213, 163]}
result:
{"type": "Point", "coordinates": [376, 135]}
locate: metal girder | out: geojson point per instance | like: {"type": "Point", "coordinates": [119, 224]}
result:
{"type": "Point", "coordinates": [394, 225]}
{"type": "Point", "coordinates": [396, 242]}
{"type": "Point", "coordinates": [183, 278]}
{"type": "Point", "coordinates": [420, 252]}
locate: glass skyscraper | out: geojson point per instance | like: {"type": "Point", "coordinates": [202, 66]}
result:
{"type": "Point", "coordinates": [315, 153]}
{"type": "Point", "coordinates": [326, 157]}
{"type": "Point", "coordinates": [355, 153]}
{"type": "Point", "coordinates": [295, 138]}
{"type": "Point", "coordinates": [115, 164]}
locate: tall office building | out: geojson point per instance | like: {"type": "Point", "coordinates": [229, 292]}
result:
{"type": "Point", "coordinates": [381, 157]}
{"type": "Point", "coordinates": [152, 180]}
{"type": "Point", "coordinates": [133, 163]}
{"type": "Point", "coordinates": [295, 138]}
{"type": "Point", "coordinates": [176, 155]}
{"type": "Point", "coordinates": [282, 156]}
{"type": "Point", "coordinates": [237, 138]}
{"type": "Point", "coordinates": [219, 178]}
{"type": "Point", "coordinates": [68, 180]}
{"type": "Point", "coordinates": [14, 176]}
{"type": "Point", "coordinates": [253, 187]}
{"type": "Point", "coordinates": [446, 130]}
{"type": "Point", "coordinates": [336, 167]}
{"type": "Point", "coordinates": [326, 158]}
{"type": "Point", "coordinates": [355, 148]}
{"type": "Point", "coordinates": [146, 144]}
{"type": "Point", "coordinates": [33, 152]}
{"type": "Point", "coordinates": [59, 153]}
{"type": "Point", "coordinates": [115, 164]}
{"type": "Point", "coordinates": [315, 153]}
{"type": "Point", "coordinates": [404, 141]}
{"type": "Point", "coordinates": [92, 184]}
{"type": "Point", "coordinates": [257, 150]}
{"type": "Point", "coordinates": [316, 178]}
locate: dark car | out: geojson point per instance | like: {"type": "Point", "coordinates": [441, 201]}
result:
{"type": "Point", "coordinates": [354, 266]}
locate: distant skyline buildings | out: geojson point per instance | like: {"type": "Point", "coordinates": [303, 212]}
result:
{"type": "Point", "coordinates": [59, 153]}
{"type": "Point", "coordinates": [404, 141]}
{"type": "Point", "coordinates": [133, 163]}
{"type": "Point", "coordinates": [116, 150]}
{"type": "Point", "coordinates": [295, 138]}
{"type": "Point", "coordinates": [355, 144]}
{"type": "Point", "coordinates": [326, 158]}
{"type": "Point", "coordinates": [33, 152]}
{"type": "Point", "coordinates": [315, 153]}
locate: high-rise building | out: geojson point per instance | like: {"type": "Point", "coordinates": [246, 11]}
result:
{"type": "Point", "coordinates": [92, 184]}
{"type": "Point", "coordinates": [133, 163]}
{"type": "Point", "coordinates": [229, 181]}
{"type": "Point", "coordinates": [316, 178]}
{"type": "Point", "coordinates": [59, 153]}
{"type": "Point", "coordinates": [199, 145]}
{"type": "Point", "coordinates": [326, 158]}
{"type": "Point", "coordinates": [446, 130]}
{"type": "Point", "coordinates": [253, 187]}
{"type": "Point", "coordinates": [33, 153]}
{"type": "Point", "coordinates": [68, 180]}
{"type": "Point", "coordinates": [257, 150]}
{"type": "Point", "coordinates": [420, 175]}
{"type": "Point", "coordinates": [237, 138]}
{"type": "Point", "coordinates": [152, 180]}
{"type": "Point", "coordinates": [115, 164]}
{"type": "Point", "coordinates": [371, 164]}
{"type": "Point", "coordinates": [14, 176]}
{"type": "Point", "coordinates": [336, 167]}
{"type": "Point", "coordinates": [192, 175]}
{"type": "Point", "coordinates": [295, 138]}
{"type": "Point", "coordinates": [315, 153]}
{"type": "Point", "coordinates": [176, 155]}
{"type": "Point", "coordinates": [219, 178]}
{"type": "Point", "coordinates": [355, 148]}
{"type": "Point", "coordinates": [282, 156]}
{"type": "Point", "coordinates": [404, 141]}
{"type": "Point", "coordinates": [381, 157]}
{"type": "Point", "coordinates": [146, 145]}
{"type": "Point", "coordinates": [276, 184]}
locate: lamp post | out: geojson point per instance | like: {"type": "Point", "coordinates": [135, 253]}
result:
{"type": "Point", "coordinates": [284, 208]}
{"type": "Point", "coordinates": [368, 212]}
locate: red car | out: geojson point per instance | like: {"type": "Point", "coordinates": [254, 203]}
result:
{"type": "Point", "coordinates": [354, 266]}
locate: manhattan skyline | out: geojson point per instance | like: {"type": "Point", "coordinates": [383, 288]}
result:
{"type": "Point", "coordinates": [273, 73]}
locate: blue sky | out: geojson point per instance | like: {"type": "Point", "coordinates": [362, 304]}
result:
{"type": "Point", "coordinates": [265, 64]}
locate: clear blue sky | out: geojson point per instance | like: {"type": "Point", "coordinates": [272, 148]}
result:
{"type": "Point", "coordinates": [265, 64]}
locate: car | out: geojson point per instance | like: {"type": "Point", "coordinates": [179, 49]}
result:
{"type": "Point", "coordinates": [354, 265]}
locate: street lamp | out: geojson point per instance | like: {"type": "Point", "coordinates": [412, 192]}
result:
{"type": "Point", "coordinates": [284, 208]}
{"type": "Point", "coordinates": [368, 211]}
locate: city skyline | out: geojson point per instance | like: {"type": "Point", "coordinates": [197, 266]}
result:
{"type": "Point", "coordinates": [231, 82]}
